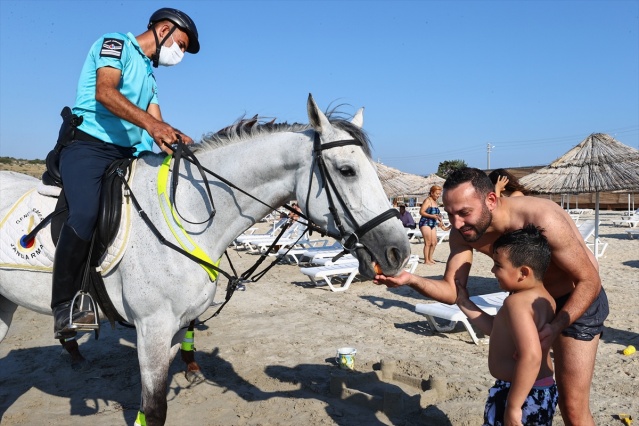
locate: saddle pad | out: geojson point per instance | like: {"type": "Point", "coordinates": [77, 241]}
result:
{"type": "Point", "coordinates": [27, 213]}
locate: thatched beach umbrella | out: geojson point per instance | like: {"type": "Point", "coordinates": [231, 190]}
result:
{"type": "Point", "coordinates": [599, 163]}
{"type": "Point", "coordinates": [397, 183]}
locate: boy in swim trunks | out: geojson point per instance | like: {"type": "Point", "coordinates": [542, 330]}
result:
{"type": "Point", "coordinates": [525, 392]}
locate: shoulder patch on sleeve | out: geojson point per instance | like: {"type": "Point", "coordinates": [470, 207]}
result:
{"type": "Point", "coordinates": [112, 48]}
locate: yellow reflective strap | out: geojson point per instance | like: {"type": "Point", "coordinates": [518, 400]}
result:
{"type": "Point", "coordinates": [189, 340]}
{"type": "Point", "coordinates": [172, 219]}
{"type": "Point", "coordinates": [140, 420]}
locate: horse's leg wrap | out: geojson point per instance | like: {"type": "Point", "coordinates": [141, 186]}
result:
{"type": "Point", "coordinates": [140, 420]}
{"type": "Point", "coordinates": [193, 372]}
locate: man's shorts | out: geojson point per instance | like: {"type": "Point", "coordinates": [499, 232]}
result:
{"type": "Point", "coordinates": [538, 409]}
{"type": "Point", "coordinates": [590, 324]}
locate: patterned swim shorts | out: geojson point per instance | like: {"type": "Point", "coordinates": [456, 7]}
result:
{"type": "Point", "coordinates": [538, 409]}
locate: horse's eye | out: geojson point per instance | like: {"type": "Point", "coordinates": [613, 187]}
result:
{"type": "Point", "coordinates": [347, 171]}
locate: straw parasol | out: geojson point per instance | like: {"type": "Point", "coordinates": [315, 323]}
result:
{"type": "Point", "coordinates": [397, 183]}
{"type": "Point", "coordinates": [599, 163]}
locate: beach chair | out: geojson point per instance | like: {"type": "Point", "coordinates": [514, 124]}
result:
{"type": "Point", "coordinates": [416, 235]}
{"type": "Point", "coordinates": [632, 232]}
{"type": "Point", "coordinates": [325, 261]}
{"type": "Point", "coordinates": [630, 221]}
{"type": "Point", "coordinates": [587, 231]}
{"type": "Point", "coordinates": [489, 303]}
{"type": "Point", "coordinates": [290, 235]}
{"type": "Point", "coordinates": [239, 241]}
{"type": "Point", "coordinates": [283, 244]}
{"type": "Point", "coordinates": [347, 272]}
{"type": "Point", "coordinates": [442, 235]}
{"type": "Point", "coordinates": [299, 254]}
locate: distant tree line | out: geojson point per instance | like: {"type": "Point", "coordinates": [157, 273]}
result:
{"type": "Point", "coordinates": [9, 160]}
{"type": "Point", "coordinates": [447, 167]}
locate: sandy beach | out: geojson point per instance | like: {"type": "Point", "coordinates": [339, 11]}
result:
{"type": "Point", "coordinates": [268, 359]}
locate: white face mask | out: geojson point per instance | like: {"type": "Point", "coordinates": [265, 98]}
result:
{"type": "Point", "coordinates": [170, 56]}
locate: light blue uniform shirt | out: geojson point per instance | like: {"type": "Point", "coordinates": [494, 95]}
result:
{"type": "Point", "coordinates": [137, 84]}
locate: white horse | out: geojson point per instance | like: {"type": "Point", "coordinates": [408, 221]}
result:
{"type": "Point", "coordinates": [160, 291]}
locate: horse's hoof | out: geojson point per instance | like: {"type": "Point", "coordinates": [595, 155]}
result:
{"type": "Point", "coordinates": [82, 365]}
{"type": "Point", "coordinates": [194, 377]}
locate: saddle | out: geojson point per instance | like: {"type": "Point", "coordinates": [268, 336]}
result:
{"type": "Point", "coordinates": [107, 226]}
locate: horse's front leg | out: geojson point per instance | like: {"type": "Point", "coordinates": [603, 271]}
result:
{"type": "Point", "coordinates": [154, 355]}
{"type": "Point", "coordinates": [187, 351]}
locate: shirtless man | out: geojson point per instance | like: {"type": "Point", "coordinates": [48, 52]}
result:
{"type": "Point", "coordinates": [478, 217]}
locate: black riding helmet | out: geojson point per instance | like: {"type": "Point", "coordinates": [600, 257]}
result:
{"type": "Point", "coordinates": [182, 21]}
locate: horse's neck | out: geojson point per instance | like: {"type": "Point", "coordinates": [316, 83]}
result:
{"type": "Point", "coordinates": [268, 169]}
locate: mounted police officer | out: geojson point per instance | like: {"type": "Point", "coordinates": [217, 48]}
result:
{"type": "Point", "coordinates": [116, 115]}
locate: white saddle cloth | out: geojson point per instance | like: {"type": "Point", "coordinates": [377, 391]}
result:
{"type": "Point", "coordinates": [26, 214]}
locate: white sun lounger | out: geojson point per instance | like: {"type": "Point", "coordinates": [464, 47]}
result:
{"type": "Point", "coordinates": [632, 232]}
{"type": "Point", "coordinates": [489, 303]}
{"type": "Point", "coordinates": [347, 271]}
{"type": "Point", "coordinates": [587, 231]}
{"type": "Point", "coordinates": [416, 235]}
{"type": "Point", "coordinates": [239, 241]}
{"type": "Point", "coordinates": [326, 261]}
{"type": "Point", "coordinates": [299, 255]}
{"type": "Point", "coordinates": [289, 236]}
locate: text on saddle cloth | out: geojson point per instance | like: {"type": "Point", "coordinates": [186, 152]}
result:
{"type": "Point", "coordinates": [37, 254]}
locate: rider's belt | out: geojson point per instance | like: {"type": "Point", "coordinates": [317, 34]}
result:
{"type": "Point", "coordinates": [83, 136]}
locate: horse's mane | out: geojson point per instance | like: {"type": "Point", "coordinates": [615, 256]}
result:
{"type": "Point", "coordinates": [248, 128]}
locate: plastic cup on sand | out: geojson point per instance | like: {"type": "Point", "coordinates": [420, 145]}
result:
{"type": "Point", "coordinates": [345, 358]}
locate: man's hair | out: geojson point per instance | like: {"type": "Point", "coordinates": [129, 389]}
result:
{"type": "Point", "coordinates": [526, 247]}
{"type": "Point", "coordinates": [480, 181]}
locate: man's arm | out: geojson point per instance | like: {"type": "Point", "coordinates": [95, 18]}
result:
{"type": "Point", "coordinates": [570, 254]}
{"type": "Point", "coordinates": [107, 93]}
{"type": "Point", "coordinates": [457, 269]}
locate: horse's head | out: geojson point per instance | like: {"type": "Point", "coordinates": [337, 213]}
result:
{"type": "Point", "coordinates": [346, 196]}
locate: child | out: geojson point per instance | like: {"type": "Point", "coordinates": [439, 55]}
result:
{"type": "Point", "coordinates": [525, 392]}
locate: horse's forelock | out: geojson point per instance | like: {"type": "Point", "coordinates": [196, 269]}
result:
{"type": "Point", "coordinates": [244, 129]}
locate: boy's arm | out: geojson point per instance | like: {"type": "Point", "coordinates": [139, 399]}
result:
{"type": "Point", "coordinates": [479, 318]}
{"type": "Point", "coordinates": [520, 320]}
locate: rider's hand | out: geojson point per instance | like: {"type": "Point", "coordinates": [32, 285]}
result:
{"type": "Point", "coordinates": [164, 134]}
{"type": "Point", "coordinates": [186, 139]}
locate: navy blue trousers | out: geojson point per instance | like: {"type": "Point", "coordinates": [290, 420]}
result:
{"type": "Point", "coordinates": [82, 165]}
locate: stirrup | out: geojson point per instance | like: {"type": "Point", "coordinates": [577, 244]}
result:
{"type": "Point", "coordinates": [85, 304]}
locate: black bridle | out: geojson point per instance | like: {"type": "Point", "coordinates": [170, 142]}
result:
{"type": "Point", "coordinates": [351, 240]}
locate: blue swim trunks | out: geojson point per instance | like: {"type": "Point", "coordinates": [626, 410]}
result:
{"type": "Point", "coordinates": [538, 409]}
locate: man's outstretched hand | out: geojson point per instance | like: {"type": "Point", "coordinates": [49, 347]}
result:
{"type": "Point", "coordinates": [396, 281]}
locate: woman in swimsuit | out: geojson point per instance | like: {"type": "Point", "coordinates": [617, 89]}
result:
{"type": "Point", "coordinates": [431, 219]}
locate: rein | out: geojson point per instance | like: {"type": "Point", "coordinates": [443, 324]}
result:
{"type": "Point", "coordinates": [350, 241]}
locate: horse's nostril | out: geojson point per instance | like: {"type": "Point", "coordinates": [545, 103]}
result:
{"type": "Point", "coordinates": [393, 257]}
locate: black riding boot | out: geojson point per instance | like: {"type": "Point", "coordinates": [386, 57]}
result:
{"type": "Point", "coordinates": [68, 268]}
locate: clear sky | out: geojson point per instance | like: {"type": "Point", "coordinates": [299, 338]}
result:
{"type": "Point", "coordinates": [440, 80]}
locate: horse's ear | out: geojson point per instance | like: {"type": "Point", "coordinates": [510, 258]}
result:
{"type": "Point", "coordinates": [358, 118]}
{"type": "Point", "coordinates": [316, 117]}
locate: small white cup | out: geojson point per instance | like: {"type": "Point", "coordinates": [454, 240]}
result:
{"type": "Point", "coordinates": [345, 358]}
